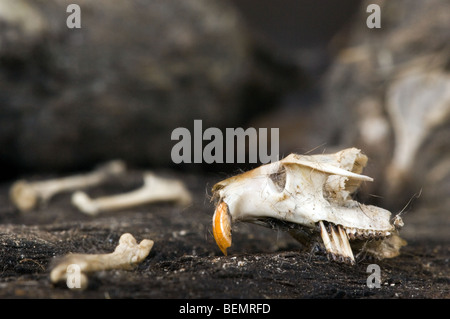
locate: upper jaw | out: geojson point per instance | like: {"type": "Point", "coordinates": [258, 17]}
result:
{"type": "Point", "coordinates": [303, 201]}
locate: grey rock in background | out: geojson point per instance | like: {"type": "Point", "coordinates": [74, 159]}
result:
{"type": "Point", "coordinates": [118, 87]}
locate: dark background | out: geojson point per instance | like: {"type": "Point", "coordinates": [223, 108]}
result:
{"type": "Point", "coordinates": [75, 97]}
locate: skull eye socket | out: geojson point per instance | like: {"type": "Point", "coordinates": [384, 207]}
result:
{"type": "Point", "coordinates": [279, 179]}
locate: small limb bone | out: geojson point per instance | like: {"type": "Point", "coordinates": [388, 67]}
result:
{"type": "Point", "coordinates": [126, 256]}
{"type": "Point", "coordinates": [27, 195]}
{"type": "Point", "coordinates": [155, 189]}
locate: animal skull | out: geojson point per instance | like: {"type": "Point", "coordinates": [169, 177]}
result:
{"type": "Point", "coordinates": [308, 196]}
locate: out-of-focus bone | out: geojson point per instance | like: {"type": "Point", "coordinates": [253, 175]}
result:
{"type": "Point", "coordinates": [126, 256]}
{"type": "Point", "coordinates": [27, 195]}
{"type": "Point", "coordinates": [155, 189]}
{"type": "Point", "coordinates": [418, 102]}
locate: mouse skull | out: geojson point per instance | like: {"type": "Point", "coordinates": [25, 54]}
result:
{"type": "Point", "coordinates": [307, 194]}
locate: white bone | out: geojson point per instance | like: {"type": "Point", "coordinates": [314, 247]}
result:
{"type": "Point", "coordinates": [252, 195]}
{"type": "Point", "coordinates": [307, 190]}
{"type": "Point", "coordinates": [154, 189]}
{"type": "Point", "coordinates": [125, 256]}
{"type": "Point", "coordinates": [27, 195]}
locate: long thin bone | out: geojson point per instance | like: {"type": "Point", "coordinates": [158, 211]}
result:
{"type": "Point", "coordinates": [155, 189]}
{"type": "Point", "coordinates": [27, 195]}
{"type": "Point", "coordinates": [126, 256]}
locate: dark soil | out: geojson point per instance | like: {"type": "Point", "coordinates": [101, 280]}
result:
{"type": "Point", "coordinates": [186, 263]}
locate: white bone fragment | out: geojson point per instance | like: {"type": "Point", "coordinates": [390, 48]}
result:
{"type": "Point", "coordinates": [311, 192]}
{"type": "Point", "coordinates": [27, 195]}
{"type": "Point", "coordinates": [125, 256]}
{"type": "Point", "coordinates": [154, 189]}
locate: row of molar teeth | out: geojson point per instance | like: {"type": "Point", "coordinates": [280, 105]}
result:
{"type": "Point", "coordinates": [355, 233]}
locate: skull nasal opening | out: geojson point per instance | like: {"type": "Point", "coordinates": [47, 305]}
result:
{"type": "Point", "coordinates": [279, 178]}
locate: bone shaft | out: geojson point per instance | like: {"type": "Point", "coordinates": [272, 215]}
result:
{"type": "Point", "coordinates": [105, 262]}
{"type": "Point", "coordinates": [140, 196]}
{"type": "Point", "coordinates": [133, 198]}
{"type": "Point", "coordinates": [46, 189]}
{"type": "Point", "coordinates": [154, 189]}
{"type": "Point", "coordinates": [49, 188]}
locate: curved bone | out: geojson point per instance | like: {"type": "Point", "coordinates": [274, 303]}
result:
{"type": "Point", "coordinates": [126, 256]}
{"type": "Point", "coordinates": [155, 189]}
{"type": "Point", "coordinates": [26, 195]}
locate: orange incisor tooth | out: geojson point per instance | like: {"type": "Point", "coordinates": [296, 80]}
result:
{"type": "Point", "coordinates": [222, 227]}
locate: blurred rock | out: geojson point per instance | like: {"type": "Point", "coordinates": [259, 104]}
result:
{"type": "Point", "coordinates": [118, 86]}
{"type": "Point", "coordinates": [388, 94]}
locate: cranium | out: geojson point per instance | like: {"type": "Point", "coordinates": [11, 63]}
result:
{"type": "Point", "coordinates": [309, 196]}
